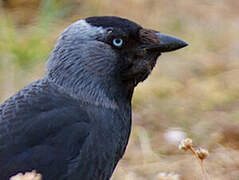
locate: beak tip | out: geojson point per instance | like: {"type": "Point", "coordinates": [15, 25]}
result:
{"type": "Point", "coordinates": [183, 44]}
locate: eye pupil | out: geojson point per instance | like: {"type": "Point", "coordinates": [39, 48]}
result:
{"type": "Point", "coordinates": [117, 42]}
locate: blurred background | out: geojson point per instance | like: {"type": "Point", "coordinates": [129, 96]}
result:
{"type": "Point", "coordinates": [192, 93]}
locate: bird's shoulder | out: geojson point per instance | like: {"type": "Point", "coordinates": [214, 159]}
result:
{"type": "Point", "coordinates": [37, 110]}
{"type": "Point", "coordinates": [40, 96]}
{"type": "Point", "coordinates": [40, 121]}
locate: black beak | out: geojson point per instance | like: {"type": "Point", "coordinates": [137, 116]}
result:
{"type": "Point", "coordinates": [169, 43]}
{"type": "Point", "coordinates": [159, 42]}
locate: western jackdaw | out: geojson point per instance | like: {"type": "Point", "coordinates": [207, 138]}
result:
{"type": "Point", "coordinates": [75, 122]}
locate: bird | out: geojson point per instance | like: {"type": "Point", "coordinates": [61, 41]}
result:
{"type": "Point", "coordinates": [75, 122]}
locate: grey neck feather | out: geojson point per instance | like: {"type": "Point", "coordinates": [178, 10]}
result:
{"type": "Point", "coordinates": [85, 68]}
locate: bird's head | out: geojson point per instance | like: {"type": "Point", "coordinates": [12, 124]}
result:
{"type": "Point", "coordinates": [106, 54]}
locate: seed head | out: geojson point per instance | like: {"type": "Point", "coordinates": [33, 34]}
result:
{"type": "Point", "coordinates": [168, 176]}
{"type": "Point", "coordinates": [185, 144]}
{"type": "Point", "coordinates": [202, 153]}
{"type": "Point", "coordinates": [27, 176]}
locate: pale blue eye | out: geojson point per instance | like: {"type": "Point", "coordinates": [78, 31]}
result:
{"type": "Point", "coordinates": [118, 42]}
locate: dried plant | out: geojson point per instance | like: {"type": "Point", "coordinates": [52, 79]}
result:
{"type": "Point", "coordinates": [201, 154]}
{"type": "Point", "coordinates": [27, 176]}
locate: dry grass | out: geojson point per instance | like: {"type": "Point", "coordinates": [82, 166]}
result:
{"type": "Point", "coordinates": [194, 90]}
